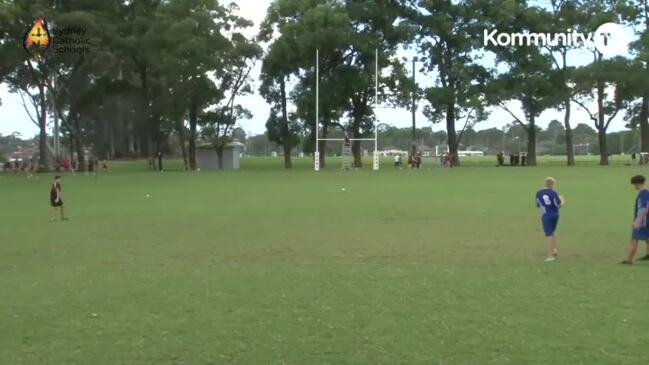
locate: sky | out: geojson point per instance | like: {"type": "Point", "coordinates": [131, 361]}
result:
{"type": "Point", "coordinates": [14, 118]}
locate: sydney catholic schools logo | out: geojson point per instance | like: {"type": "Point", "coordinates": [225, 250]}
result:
{"type": "Point", "coordinates": [610, 39]}
{"type": "Point", "coordinates": [64, 40]}
{"type": "Point", "coordinates": [37, 40]}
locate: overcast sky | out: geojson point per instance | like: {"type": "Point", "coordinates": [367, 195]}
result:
{"type": "Point", "coordinates": [13, 117]}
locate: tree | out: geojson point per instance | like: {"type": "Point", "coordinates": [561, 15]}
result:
{"type": "Point", "coordinates": [278, 65]}
{"type": "Point", "coordinates": [610, 84]}
{"type": "Point", "coordinates": [347, 34]}
{"type": "Point", "coordinates": [24, 74]}
{"type": "Point", "coordinates": [638, 112]}
{"type": "Point", "coordinates": [530, 79]}
{"type": "Point", "coordinates": [563, 15]}
{"type": "Point", "coordinates": [446, 36]}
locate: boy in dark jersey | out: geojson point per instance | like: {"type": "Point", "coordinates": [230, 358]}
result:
{"type": "Point", "coordinates": [56, 198]}
{"type": "Point", "coordinates": [549, 201]}
{"type": "Point", "coordinates": [640, 218]}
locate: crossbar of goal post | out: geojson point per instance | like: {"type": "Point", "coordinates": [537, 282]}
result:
{"type": "Point", "coordinates": [316, 155]}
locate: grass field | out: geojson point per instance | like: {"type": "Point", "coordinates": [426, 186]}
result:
{"type": "Point", "coordinates": [265, 266]}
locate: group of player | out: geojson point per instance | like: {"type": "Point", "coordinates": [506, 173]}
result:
{"type": "Point", "coordinates": [415, 161]}
{"type": "Point", "coordinates": [515, 159]}
{"type": "Point", "coordinates": [549, 202]}
{"type": "Point", "coordinates": [28, 167]}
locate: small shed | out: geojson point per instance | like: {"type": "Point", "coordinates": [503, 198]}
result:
{"type": "Point", "coordinates": [232, 156]}
{"type": "Point", "coordinates": [207, 159]}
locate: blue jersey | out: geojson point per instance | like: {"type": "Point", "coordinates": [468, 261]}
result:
{"type": "Point", "coordinates": [641, 202]}
{"type": "Point", "coordinates": [548, 201]}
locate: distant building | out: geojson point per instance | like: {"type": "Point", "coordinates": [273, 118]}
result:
{"type": "Point", "coordinates": [392, 151]}
{"type": "Point", "coordinates": [426, 151]}
{"type": "Point", "coordinates": [23, 154]}
{"type": "Point", "coordinates": [443, 149]}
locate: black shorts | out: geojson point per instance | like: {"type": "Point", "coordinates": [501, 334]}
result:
{"type": "Point", "coordinates": [56, 204]}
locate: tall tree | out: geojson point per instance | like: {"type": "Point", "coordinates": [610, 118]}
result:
{"type": "Point", "coordinates": [637, 112]}
{"type": "Point", "coordinates": [607, 83]}
{"type": "Point", "coordinates": [446, 36]}
{"type": "Point", "coordinates": [564, 15]}
{"type": "Point", "coordinates": [530, 78]}
{"type": "Point", "coordinates": [23, 73]}
{"type": "Point", "coordinates": [347, 35]}
{"type": "Point", "coordinates": [278, 66]}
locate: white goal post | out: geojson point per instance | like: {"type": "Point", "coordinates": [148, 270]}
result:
{"type": "Point", "coordinates": [316, 155]}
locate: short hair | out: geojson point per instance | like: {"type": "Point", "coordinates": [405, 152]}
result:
{"type": "Point", "coordinates": [638, 180]}
{"type": "Point", "coordinates": [549, 182]}
{"type": "Point", "coordinates": [57, 177]}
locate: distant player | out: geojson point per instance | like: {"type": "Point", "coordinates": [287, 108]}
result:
{"type": "Point", "coordinates": [56, 198]}
{"type": "Point", "coordinates": [549, 201]}
{"type": "Point", "coordinates": [397, 161]}
{"type": "Point", "coordinates": [640, 227]}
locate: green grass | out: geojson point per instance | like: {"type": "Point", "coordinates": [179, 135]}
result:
{"type": "Point", "coordinates": [266, 266]}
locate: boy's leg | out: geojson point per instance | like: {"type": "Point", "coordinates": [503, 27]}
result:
{"type": "Point", "coordinates": [552, 246]}
{"type": "Point", "coordinates": [549, 227]}
{"type": "Point", "coordinates": [555, 250]}
{"type": "Point", "coordinates": [646, 256]}
{"type": "Point", "coordinates": [633, 248]}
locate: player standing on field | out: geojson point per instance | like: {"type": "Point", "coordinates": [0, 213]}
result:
{"type": "Point", "coordinates": [56, 198]}
{"type": "Point", "coordinates": [640, 227]}
{"type": "Point", "coordinates": [549, 201]}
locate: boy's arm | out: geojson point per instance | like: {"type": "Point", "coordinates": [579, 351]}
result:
{"type": "Point", "coordinates": [641, 220]}
{"type": "Point", "coordinates": [558, 200]}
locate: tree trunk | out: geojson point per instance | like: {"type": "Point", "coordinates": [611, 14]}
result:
{"type": "Point", "coordinates": [531, 143]}
{"type": "Point", "coordinates": [356, 151]}
{"type": "Point", "coordinates": [181, 141]}
{"type": "Point", "coordinates": [601, 127]}
{"type": "Point", "coordinates": [71, 147]}
{"type": "Point", "coordinates": [111, 148]}
{"type": "Point", "coordinates": [452, 135]}
{"type": "Point", "coordinates": [145, 110]}
{"type": "Point", "coordinates": [644, 125]}
{"type": "Point", "coordinates": [286, 132]}
{"type": "Point", "coordinates": [570, 148]}
{"type": "Point", "coordinates": [644, 113]}
{"type": "Point", "coordinates": [288, 164]}
{"type": "Point", "coordinates": [43, 155]}
{"type": "Point", "coordinates": [193, 115]}
{"type": "Point", "coordinates": [359, 109]}
{"type": "Point", "coordinates": [323, 147]}
{"type": "Point", "coordinates": [603, 147]}
{"type": "Point", "coordinates": [219, 156]}
{"type": "Point", "coordinates": [106, 142]}
{"type": "Point", "coordinates": [156, 134]}
{"type": "Point", "coordinates": [81, 158]}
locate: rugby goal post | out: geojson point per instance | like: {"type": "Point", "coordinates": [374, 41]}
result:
{"type": "Point", "coordinates": [316, 155]}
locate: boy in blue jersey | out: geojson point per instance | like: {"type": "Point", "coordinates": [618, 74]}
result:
{"type": "Point", "coordinates": [640, 217]}
{"type": "Point", "coordinates": [549, 202]}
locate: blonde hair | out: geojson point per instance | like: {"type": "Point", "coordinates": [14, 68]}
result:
{"type": "Point", "coordinates": [549, 182]}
